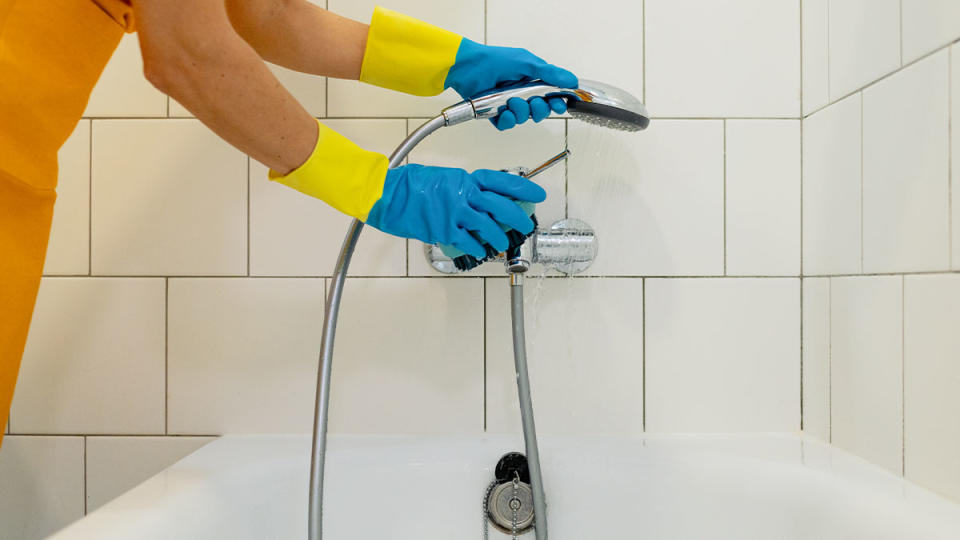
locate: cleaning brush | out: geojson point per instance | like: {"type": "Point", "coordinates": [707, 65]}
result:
{"type": "Point", "coordinates": [464, 262]}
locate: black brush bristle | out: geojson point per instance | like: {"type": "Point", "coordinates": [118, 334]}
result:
{"type": "Point", "coordinates": [516, 238]}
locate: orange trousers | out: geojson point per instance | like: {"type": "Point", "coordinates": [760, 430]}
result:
{"type": "Point", "coordinates": [51, 54]}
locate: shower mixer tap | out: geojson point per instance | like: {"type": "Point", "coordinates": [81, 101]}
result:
{"type": "Point", "coordinates": [568, 246]}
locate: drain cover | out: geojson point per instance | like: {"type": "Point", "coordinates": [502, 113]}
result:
{"type": "Point", "coordinates": [500, 510]}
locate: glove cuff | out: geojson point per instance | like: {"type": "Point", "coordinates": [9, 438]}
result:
{"type": "Point", "coordinates": [340, 173]}
{"type": "Point", "coordinates": [407, 55]}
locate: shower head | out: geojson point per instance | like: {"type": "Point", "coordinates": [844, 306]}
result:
{"type": "Point", "coordinates": [593, 102]}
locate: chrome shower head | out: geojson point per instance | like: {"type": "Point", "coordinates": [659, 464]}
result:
{"type": "Point", "coordinates": [593, 102]}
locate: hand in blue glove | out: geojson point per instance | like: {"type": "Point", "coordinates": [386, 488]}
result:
{"type": "Point", "coordinates": [444, 205]}
{"type": "Point", "coordinates": [479, 68]}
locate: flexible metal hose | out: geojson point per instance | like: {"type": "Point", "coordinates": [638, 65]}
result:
{"type": "Point", "coordinates": [526, 406]}
{"type": "Point", "coordinates": [321, 408]}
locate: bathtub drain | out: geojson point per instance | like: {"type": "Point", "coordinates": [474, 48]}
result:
{"type": "Point", "coordinates": [509, 506]}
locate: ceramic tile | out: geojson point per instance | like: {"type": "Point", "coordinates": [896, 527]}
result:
{"type": "Point", "coordinates": [122, 90]}
{"type": "Point", "coordinates": [42, 485]}
{"type": "Point", "coordinates": [615, 54]}
{"type": "Point", "coordinates": [906, 223]}
{"type": "Point", "coordinates": [69, 249]}
{"type": "Point", "coordinates": [409, 357]}
{"type": "Point", "coordinates": [927, 25]}
{"type": "Point", "coordinates": [478, 145]}
{"type": "Point", "coordinates": [722, 355]}
{"type": "Point", "coordinates": [703, 58]}
{"type": "Point", "coordinates": [864, 43]}
{"type": "Point", "coordinates": [831, 189]}
{"type": "Point", "coordinates": [242, 354]}
{"type": "Point", "coordinates": [584, 351]}
{"type": "Point", "coordinates": [292, 234]}
{"type": "Point", "coordinates": [169, 198]}
{"type": "Point", "coordinates": [94, 361]}
{"type": "Point", "coordinates": [117, 464]}
{"type": "Point", "coordinates": [932, 382]}
{"type": "Point", "coordinates": [816, 86]}
{"type": "Point", "coordinates": [866, 392]}
{"type": "Point", "coordinates": [655, 198]}
{"type": "Point", "coordinates": [763, 197]}
{"type": "Point", "coordinates": [816, 357]}
{"type": "Point", "coordinates": [352, 98]}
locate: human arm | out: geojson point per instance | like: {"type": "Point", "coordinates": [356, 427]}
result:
{"type": "Point", "coordinates": [199, 59]}
{"type": "Point", "coordinates": [396, 52]}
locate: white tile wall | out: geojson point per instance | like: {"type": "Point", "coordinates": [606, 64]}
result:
{"type": "Point", "coordinates": [831, 189]}
{"type": "Point", "coordinates": [816, 357]}
{"type": "Point", "coordinates": [955, 152]}
{"type": "Point", "coordinates": [906, 223]}
{"type": "Point", "coordinates": [763, 197]}
{"type": "Point", "coordinates": [117, 464]}
{"type": "Point", "coordinates": [42, 485]}
{"type": "Point", "coordinates": [615, 55]}
{"type": "Point", "coordinates": [585, 356]}
{"type": "Point", "coordinates": [866, 393]}
{"type": "Point", "coordinates": [927, 25]}
{"type": "Point", "coordinates": [292, 234]}
{"type": "Point", "coordinates": [654, 198]}
{"type": "Point", "coordinates": [94, 361]}
{"type": "Point", "coordinates": [409, 357]}
{"type": "Point", "coordinates": [122, 90]}
{"type": "Point", "coordinates": [864, 43]}
{"type": "Point", "coordinates": [69, 249]}
{"type": "Point", "coordinates": [351, 98]}
{"type": "Point", "coordinates": [722, 355]}
{"type": "Point", "coordinates": [703, 58]}
{"type": "Point", "coordinates": [243, 354]}
{"type": "Point", "coordinates": [478, 145]}
{"type": "Point", "coordinates": [169, 198]}
{"type": "Point", "coordinates": [816, 87]}
{"type": "Point", "coordinates": [932, 381]}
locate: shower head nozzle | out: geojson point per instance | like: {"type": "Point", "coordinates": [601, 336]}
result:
{"type": "Point", "coordinates": [593, 102]}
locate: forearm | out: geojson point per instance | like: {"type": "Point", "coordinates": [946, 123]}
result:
{"type": "Point", "coordinates": [226, 85]}
{"type": "Point", "coordinates": [301, 36]}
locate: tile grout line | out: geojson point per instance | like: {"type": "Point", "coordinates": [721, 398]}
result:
{"type": "Point", "coordinates": [248, 215]}
{"type": "Point", "coordinates": [877, 81]}
{"type": "Point", "coordinates": [463, 275]}
{"type": "Point", "coordinates": [566, 169]}
{"type": "Point", "coordinates": [903, 374]}
{"type": "Point", "coordinates": [84, 475]}
{"type": "Point", "coordinates": [800, 150]}
{"type": "Point", "coordinates": [950, 223]}
{"type": "Point", "coordinates": [861, 183]}
{"type": "Point", "coordinates": [725, 196]}
{"type": "Point", "coordinates": [166, 355]}
{"type": "Point", "coordinates": [830, 360]}
{"type": "Point", "coordinates": [484, 354]}
{"type": "Point", "coordinates": [90, 201]}
{"type": "Point", "coordinates": [643, 46]}
{"type": "Point", "coordinates": [829, 89]}
{"type": "Point", "coordinates": [900, 31]}
{"type": "Point", "coordinates": [643, 355]}
{"type": "Point", "coordinates": [801, 355]}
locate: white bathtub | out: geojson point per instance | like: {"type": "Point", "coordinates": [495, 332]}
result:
{"type": "Point", "coordinates": [776, 487]}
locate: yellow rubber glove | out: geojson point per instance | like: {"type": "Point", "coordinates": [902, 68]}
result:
{"type": "Point", "coordinates": [436, 205]}
{"type": "Point", "coordinates": [417, 58]}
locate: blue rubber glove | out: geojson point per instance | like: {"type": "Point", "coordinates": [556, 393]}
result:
{"type": "Point", "coordinates": [479, 68]}
{"type": "Point", "coordinates": [440, 205]}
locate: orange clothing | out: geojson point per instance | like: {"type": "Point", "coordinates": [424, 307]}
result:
{"type": "Point", "coordinates": [51, 54]}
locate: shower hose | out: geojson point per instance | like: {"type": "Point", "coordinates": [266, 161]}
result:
{"type": "Point", "coordinates": [318, 451]}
